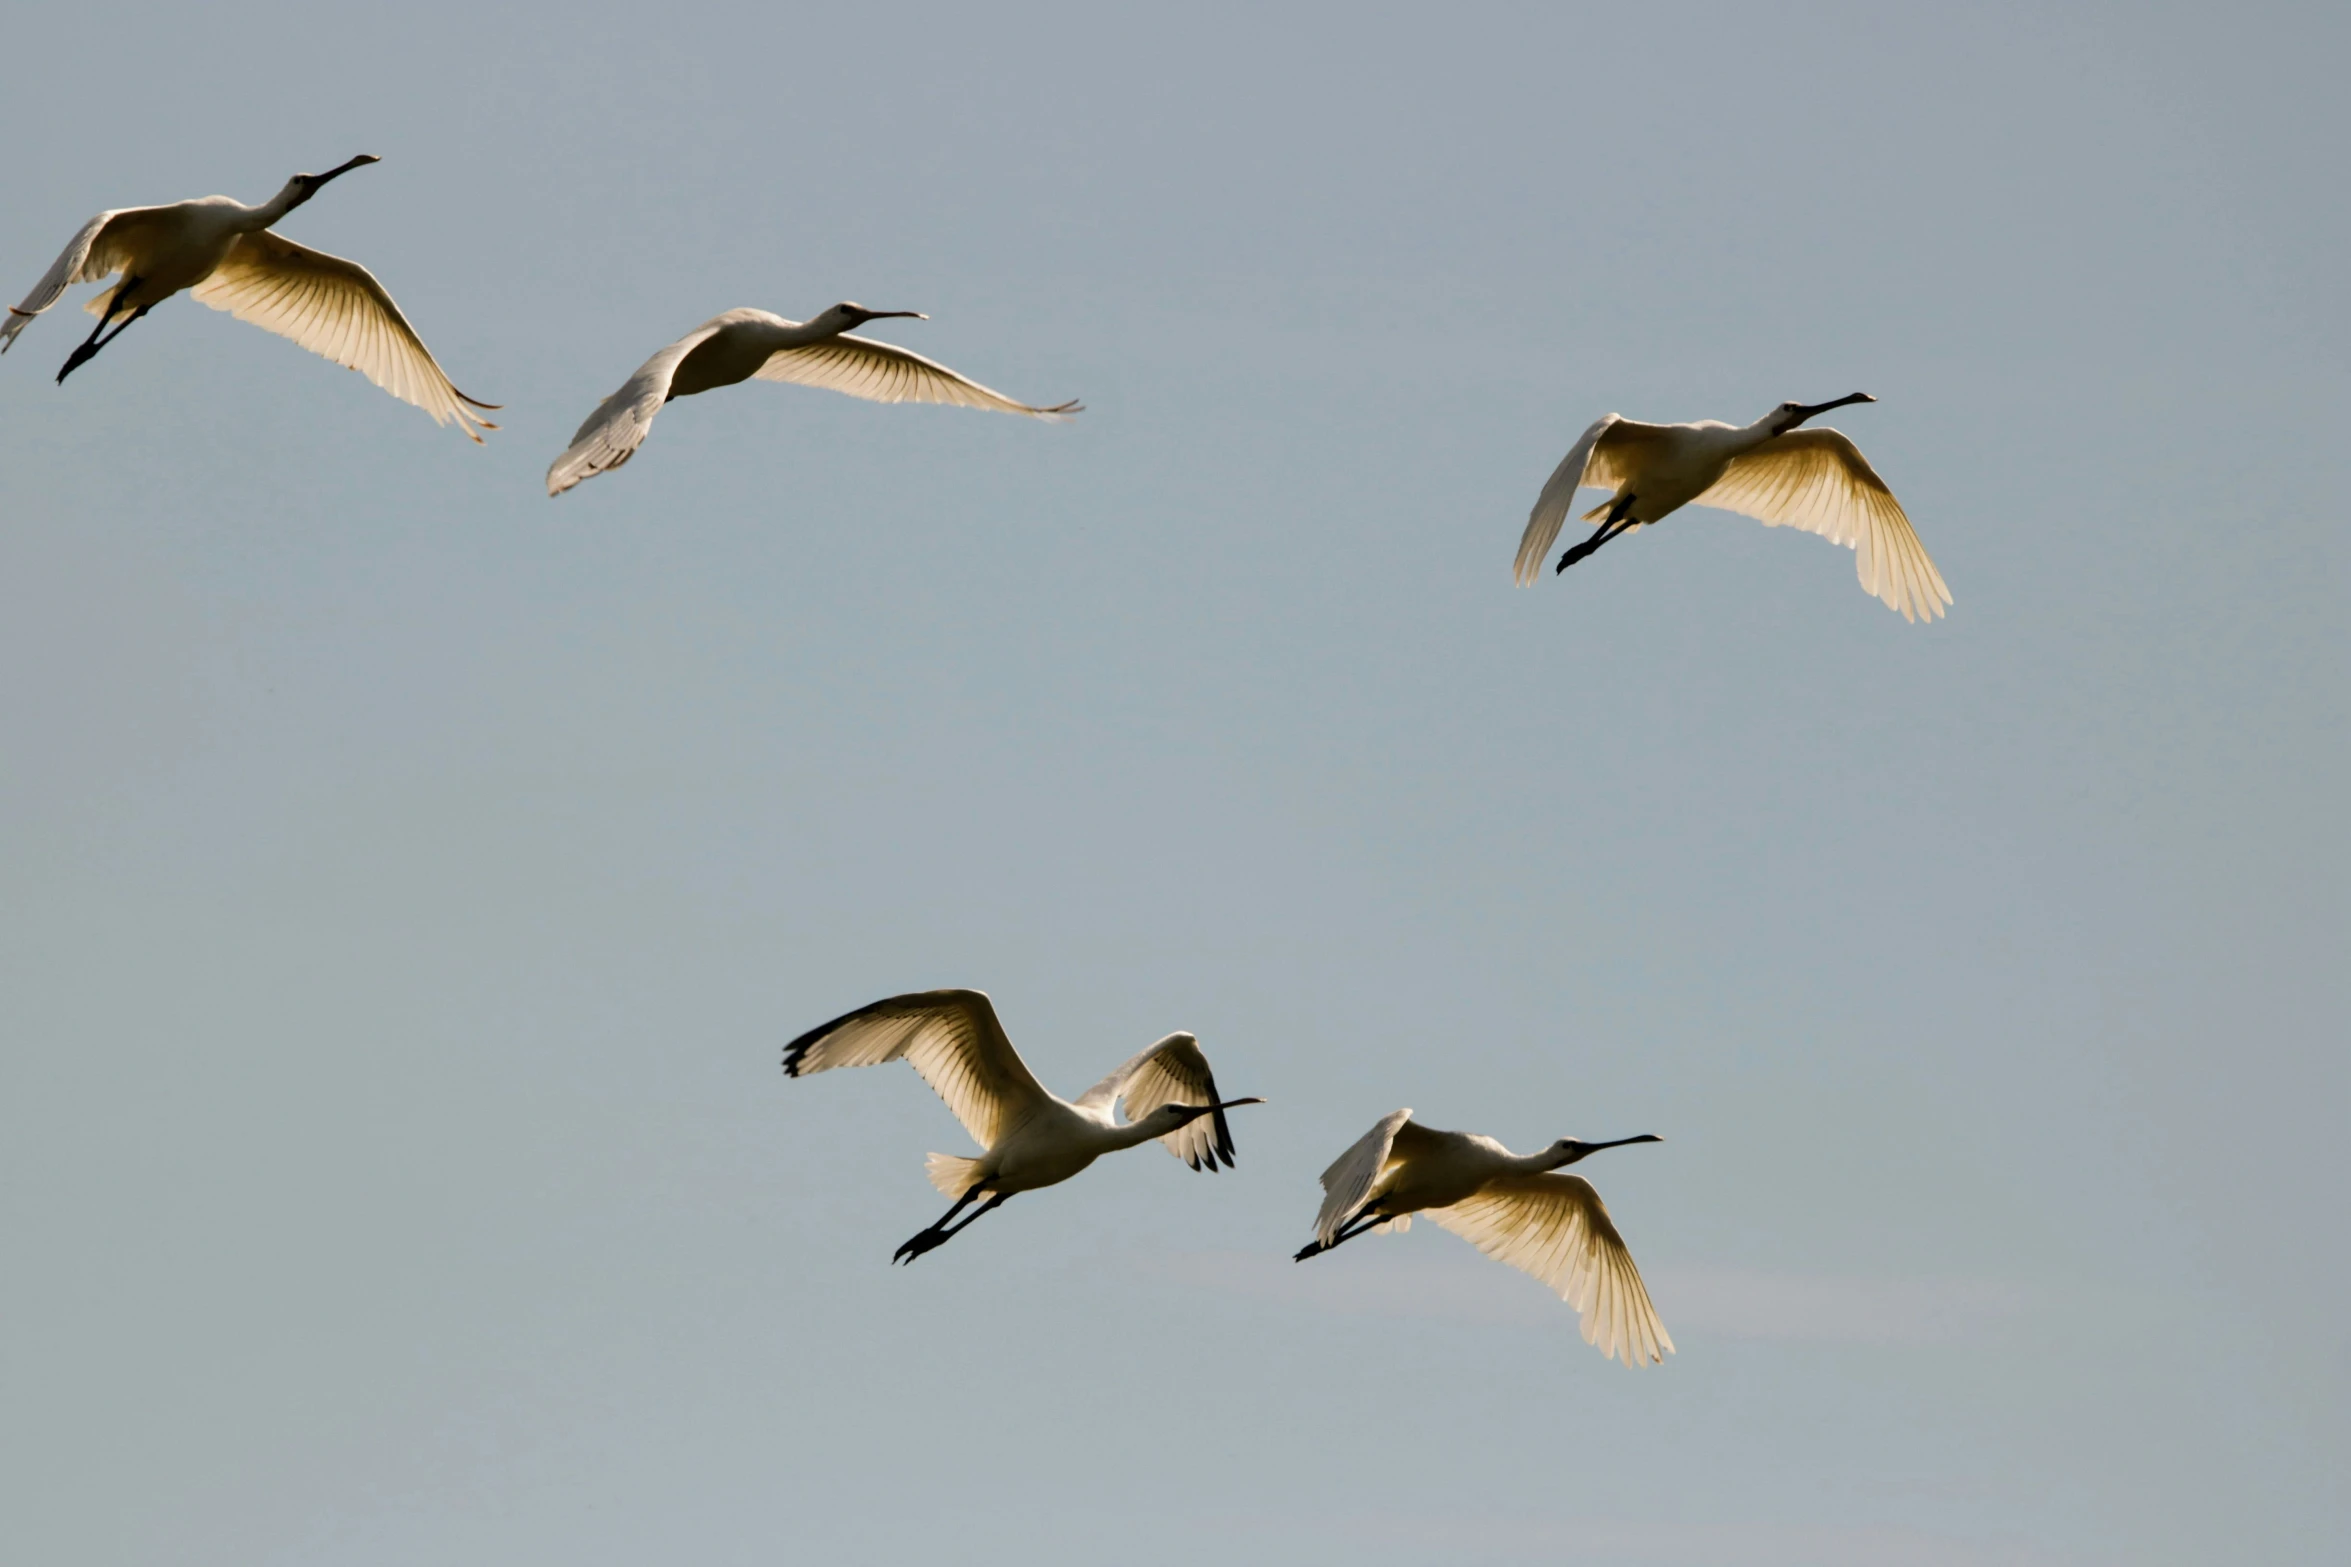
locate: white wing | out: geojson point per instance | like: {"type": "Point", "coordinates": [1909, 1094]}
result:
{"type": "Point", "coordinates": [336, 309]}
{"type": "Point", "coordinates": [1818, 480]}
{"type": "Point", "coordinates": [951, 1037]}
{"type": "Point", "coordinates": [1170, 1072]}
{"type": "Point", "coordinates": [1555, 1227]}
{"type": "Point", "coordinates": [621, 422]}
{"type": "Point", "coordinates": [1347, 1184]}
{"type": "Point", "coordinates": [1602, 458]}
{"type": "Point", "coordinates": [92, 254]}
{"type": "Point", "coordinates": [883, 373]}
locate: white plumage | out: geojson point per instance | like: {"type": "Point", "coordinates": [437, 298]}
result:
{"type": "Point", "coordinates": [1511, 1207]}
{"type": "Point", "coordinates": [742, 345]}
{"type": "Point", "coordinates": [223, 253]}
{"type": "Point", "coordinates": [1032, 1138]}
{"type": "Point", "coordinates": [1782, 476]}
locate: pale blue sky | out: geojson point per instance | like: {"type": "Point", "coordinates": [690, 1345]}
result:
{"type": "Point", "coordinates": [411, 881]}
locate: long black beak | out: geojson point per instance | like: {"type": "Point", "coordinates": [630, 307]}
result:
{"type": "Point", "coordinates": [342, 169]}
{"type": "Point", "coordinates": [1586, 1150]}
{"type": "Point", "coordinates": [879, 315]}
{"type": "Point", "coordinates": [1806, 411]}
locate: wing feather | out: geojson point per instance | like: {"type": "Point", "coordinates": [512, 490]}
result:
{"type": "Point", "coordinates": [1555, 1227]}
{"type": "Point", "coordinates": [1174, 1071]}
{"type": "Point", "coordinates": [885, 373]}
{"type": "Point", "coordinates": [611, 435]}
{"type": "Point", "coordinates": [97, 250]}
{"type": "Point", "coordinates": [1347, 1185]}
{"type": "Point", "coordinates": [336, 309]}
{"type": "Point", "coordinates": [951, 1037]}
{"type": "Point", "coordinates": [1817, 480]}
{"type": "Point", "coordinates": [1602, 458]}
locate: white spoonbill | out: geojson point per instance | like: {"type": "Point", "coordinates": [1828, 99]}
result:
{"type": "Point", "coordinates": [223, 251]}
{"type": "Point", "coordinates": [740, 345]}
{"type": "Point", "coordinates": [1033, 1138]}
{"type": "Point", "coordinates": [1507, 1206]}
{"type": "Point", "coordinates": [1816, 480]}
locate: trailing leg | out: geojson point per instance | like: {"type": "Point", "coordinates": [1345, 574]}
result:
{"type": "Point", "coordinates": [939, 1234]}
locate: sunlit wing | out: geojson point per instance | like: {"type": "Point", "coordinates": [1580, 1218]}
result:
{"type": "Point", "coordinates": [1555, 1227]}
{"type": "Point", "coordinates": [1600, 459]}
{"type": "Point", "coordinates": [1817, 480]}
{"type": "Point", "coordinates": [1347, 1184]}
{"type": "Point", "coordinates": [950, 1036]}
{"type": "Point", "coordinates": [612, 434]}
{"type": "Point", "coordinates": [883, 373]}
{"type": "Point", "coordinates": [96, 251]}
{"type": "Point", "coordinates": [337, 310]}
{"type": "Point", "coordinates": [1171, 1072]}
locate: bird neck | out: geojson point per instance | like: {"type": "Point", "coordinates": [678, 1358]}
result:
{"type": "Point", "coordinates": [1541, 1160]}
{"type": "Point", "coordinates": [802, 333]}
{"type": "Point", "coordinates": [1131, 1135]}
{"type": "Point", "coordinates": [277, 206]}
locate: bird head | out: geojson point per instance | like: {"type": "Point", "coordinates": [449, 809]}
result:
{"type": "Point", "coordinates": [1568, 1150]}
{"type": "Point", "coordinates": [302, 187]}
{"type": "Point", "coordinates": [844, 316]}
{"type": "Point", "coordinates": [1789, 415]}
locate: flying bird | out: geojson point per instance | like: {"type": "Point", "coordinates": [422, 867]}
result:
{"type": "Point", "coordinates": [1033, 1138]}
{"type": "Point", "coordinates": [742, 345]}
{"type": "Point", "coordinates": [223, 252]}
{"type": "Point", "coordinates": [1782, 476]}
{"type": "Point", "coordinates": [1506, 1205]}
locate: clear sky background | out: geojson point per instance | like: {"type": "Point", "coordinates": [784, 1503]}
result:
{"type": "Point", "coordinates": [411, 881]}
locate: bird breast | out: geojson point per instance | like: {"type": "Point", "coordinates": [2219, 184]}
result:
{"type": "Point", "coordinates": [1682, 466]}
{"type": "Point", "coordinates": [731, 354]}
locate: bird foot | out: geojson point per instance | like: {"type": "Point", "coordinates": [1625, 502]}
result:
{"type": "Point", "coordinates": [928, 1240]}
{"type": "Point", "coordinates": [1570, 558]}
{"type": "Point", "coordinates": [1311, 1248]}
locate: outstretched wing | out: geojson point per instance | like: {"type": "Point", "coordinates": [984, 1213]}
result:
{"type": "Point", "coordinates": [951, 1037]}
{"type": "Point", "coordinates": [1347, 1184]}
{"type": "Point", "coordinates": [1555, 1227]}
{"type": "Point", "coordinates": [884, 373]}
{"type": "Point", "coordinates": [91, 254]}
{"type": "Point", "coordinates": [1600, 459]}
{"type": "Point", "coordinates": [621, 422]}
{"type": "Point", "coordinates": [336, 309]}
{"type": "Point", "coordinates": [1170, 1072]}
{"type": "Point", "coordinates": [1818, 480]}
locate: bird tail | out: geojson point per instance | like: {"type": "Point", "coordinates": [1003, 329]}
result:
{"type": "Point", "coordinates": [952, 1175]}
{"type": "Point", "coordinates": [103, 300]}
{"type": "Point", "coordinates": [1396, 1226]}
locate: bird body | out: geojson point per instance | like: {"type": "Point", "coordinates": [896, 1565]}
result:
{"type": "Point", "coordinates": [1515, 1208]}
{"type": "Point", "coordinates": [738, 345]}
{"type": "Point", "coordinates": [1031, 1138]}
{"type": "Point", "coordinates": [1771, 470]}
{"type": "Point", "coordinates": [223, 252]}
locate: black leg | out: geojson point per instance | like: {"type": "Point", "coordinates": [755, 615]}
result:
{"type": "Point", "coordinates": [939, 1235]}
{"type": "Point", "coordinates": [1345, 1233]}
{"type": "Point", "coordinates": [1618, 520]}
{"type": "Point", "coordinates": [92, 343]}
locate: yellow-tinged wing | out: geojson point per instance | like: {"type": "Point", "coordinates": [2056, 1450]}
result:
{"type": "Point", "coordinates": [336, 309]}
{"type": "Point", "coordinates": [884, 373]}
{"type": "Point", "coordinates": [1818, 480]}
{"type": "Point", "coordinates": [1174, 1071]}
{"type": "Point", "coordinates": [950, 1036]}
{"type": "Point", "coordinates": [1555, 1227]}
